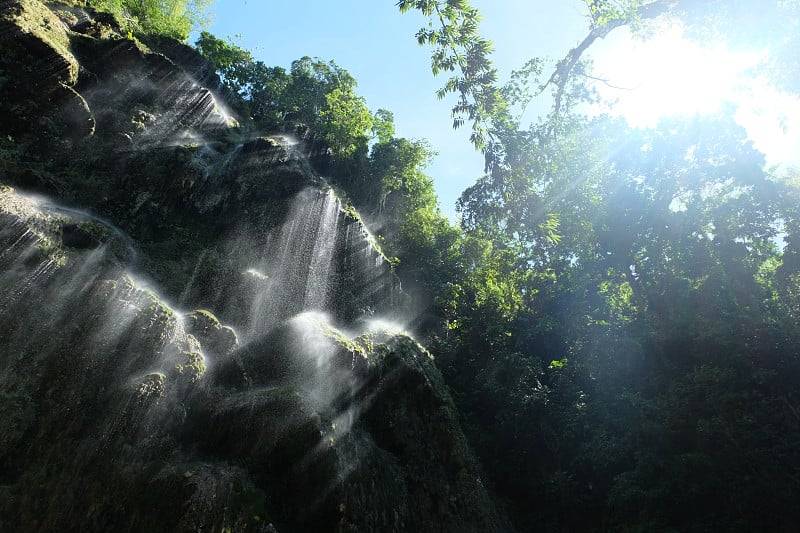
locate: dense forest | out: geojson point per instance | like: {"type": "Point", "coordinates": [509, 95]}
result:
{"type": "Point", "coordinates": [617, 310]}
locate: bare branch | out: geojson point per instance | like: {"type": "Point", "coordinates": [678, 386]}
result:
{"type": "Point", "coordinates": [564, 68]}
{"type": "Point", "coordinates": [608, 84]}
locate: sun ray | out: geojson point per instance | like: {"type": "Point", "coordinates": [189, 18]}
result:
{"type": "Point", "coordinates": [668, 75]}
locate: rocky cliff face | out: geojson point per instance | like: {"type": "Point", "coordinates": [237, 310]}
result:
{"type": "Point", "coordinates": [299, 409]}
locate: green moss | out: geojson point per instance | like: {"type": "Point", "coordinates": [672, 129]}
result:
{"type": "Point", "coordinates": [36, 19]}
{"type": "Point", "coordinates": [281, 396]}
{"type": "Point", "coordinates": [217, 340]}
{"type": "Point", "coordinates": [155, 321]}
{"type": "Point", "coordinates": [231, 333]}
{"type": "Point", "coordinates": [351, 212]}
{"type": "Point", "coordinates": [10, 150]}
{"type": "Point", "coordinates": [192, 367]}
{"type": "Point", "coordinates": [249, 503]}
{"type": "Point", "coordinates": [51, 249]}
{"type": "Point", "coordinates": [95, 229]}
{"type": "Point", "coordinates": [151, 386]}
{"type": "Point", "coordinates": [209, 316]}
{"type": "Point", "coordinates": [159, 313]}
{"type": "Point", "coordinates": [65, 15]}
{"type": "Point", "coordinates": [66, 3]}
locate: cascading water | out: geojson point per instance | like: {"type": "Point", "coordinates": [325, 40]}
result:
{"type": "Point", "coordinates": [80, 215]}
{"type": "Point", "coordinates": [296, 264]}
{"type": "Point", "coordinates": [318, 280]}
{"type": "Point", "coordinates": [121, 380]}
{"type": "Point", "coordinates": [52, 284]}
{"type": "Point", "coordinates": [318, 260]}
{"type": "Point", "coordinates": [134, 366]}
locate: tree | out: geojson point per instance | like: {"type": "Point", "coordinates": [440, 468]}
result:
{"type": "Point", "coordinates": [172, 18]}
{"type": "Point", "coordinates": [383, 125]}
{"type": "Point", "coordinates": [458, 47]}
{"type": "Point", "coordinates": [618, 323]}
{"type": "Point", "coordinates": [258, 89]}
{"type": "Point", "coordinates": [347, 121]}
{"type": "Point", "coordinates": [578, 353]}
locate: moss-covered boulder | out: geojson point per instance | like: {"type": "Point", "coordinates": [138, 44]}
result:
{"type": "Point", "coordinates": [402, 461]}
{"type": "Point", "coordinates": [219, 339]}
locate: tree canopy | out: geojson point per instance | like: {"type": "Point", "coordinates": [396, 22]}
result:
{"type": "Point", "coordinates": [619, 319]}
{"type": "Point", "coordinates": [173, 18]}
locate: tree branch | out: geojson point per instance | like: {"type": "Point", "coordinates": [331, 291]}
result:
{"type": "Point", "coordinates": [608, 84]}
{"type": "Point", "coordinates": [564, 68]}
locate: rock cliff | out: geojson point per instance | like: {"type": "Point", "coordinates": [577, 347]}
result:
{"type": "Point", "coordinates": [134, 212]}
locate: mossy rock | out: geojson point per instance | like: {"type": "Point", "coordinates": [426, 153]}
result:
{"type": "Point", "coordinates": [41, 37]}
{"type": "Point", "coordinates": [218, 339]}
{"type": "Point", "coordinates": [284, 446]}
{"type": "Point", "coordinates": [220, 498]}
{"type": "Point", "coordinates": [82, 236]}
{"type": "Point", "coordinates": [86, 21]}
{"type": "Point", "coordinates": [38, 71]}
{"type": "Point", "coordinates": [190, 367]}
{"type": "Point", "coordinates": [219, 344]}
{"type": "Point", "coordinates": [305, 428]}
{"type": "Point", "coordinates": [301, 350]}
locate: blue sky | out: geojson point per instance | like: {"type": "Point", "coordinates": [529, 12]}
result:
{"type": "Point", "coordinates": [375, 43]}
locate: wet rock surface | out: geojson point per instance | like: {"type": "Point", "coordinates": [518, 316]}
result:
{"type": "Point", "coordinates": [280, 403]}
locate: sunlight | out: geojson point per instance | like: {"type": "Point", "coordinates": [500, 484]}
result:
{"type": "Point", "coordinates": [668, 75]}
{"type": "Point", "coordinates": [772, 120]}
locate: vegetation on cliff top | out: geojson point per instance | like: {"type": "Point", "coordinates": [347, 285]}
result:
{"type": "Point", "coordinates": [172, 18]}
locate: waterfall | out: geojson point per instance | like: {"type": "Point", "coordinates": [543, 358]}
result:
{"type": "Point", "coordinates": [296, 268]}
{"type": "Point", "coordinates": [320, 260]}
{"type": "Point", "coordinates": [83, 215]}
{"type": "Point", "coordinates": [82, 295]}
{"type": "Point", "coordinates": [319, 272]}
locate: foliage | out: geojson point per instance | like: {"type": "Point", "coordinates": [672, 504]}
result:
{"type": "Point", "coordinates": [173, 18]}
{"type": "Point", "coordinates": [628, 359]}
{"type": "Point", "coordinates": [258, 88]}
{"type": "Point", "coordinates": [383, 125]}
{"type": "Point", "coordinates": [458, 49]}
{"type": "Point", "coordinates": [346, 120]}
{"type": "Point", "coordinates": [318, 94]}
{"type": "Point", "coordinates": [617, 318]}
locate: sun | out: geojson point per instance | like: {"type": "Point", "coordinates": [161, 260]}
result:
{"type": "Point", "coordinates": [668, 75]}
